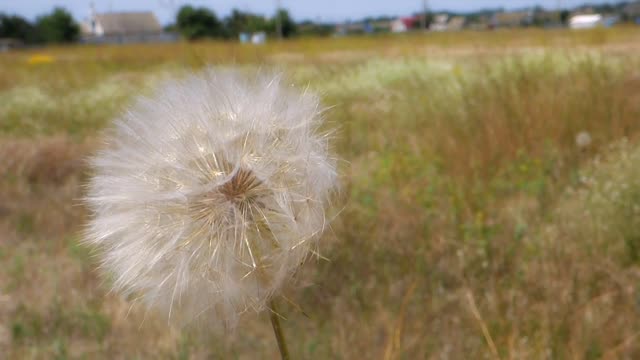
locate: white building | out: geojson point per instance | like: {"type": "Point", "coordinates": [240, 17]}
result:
{"type": "Point", "coordinates": [123, 27]}
{"type": "Point", "coordinates": [445, 23]}
{"type": "Point", "coordinates": [404, 24]}
{"type": "Point", "coordinates": [259, 38]}
{"type": "Point", "coordinates": [439, 23]}
{"type": "Point", "coordinates": [588, 21]}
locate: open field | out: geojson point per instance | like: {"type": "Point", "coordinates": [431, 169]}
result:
{"type": "Point", "coordinates": [472, 223]}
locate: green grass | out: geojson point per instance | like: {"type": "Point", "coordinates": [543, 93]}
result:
{"type": "Point", "coordinates": [468, 214]}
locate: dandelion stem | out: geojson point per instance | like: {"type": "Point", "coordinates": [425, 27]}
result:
{"type": "Point", "coordinates": [277, 329]}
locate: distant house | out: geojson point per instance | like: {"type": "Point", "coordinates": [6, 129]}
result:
{"type": "Point", "coordinates": [445, 23]}
{"type": "Point", "coordinates": [632, 12]}
{"type": "Point", "coordinates": [259, 38]}
{"type": "Point", "coordinates": [124, 27]}
{"type": "Point", "coordinates": [610, 20]}
{"type": "Point", "coordinates": [456, 23]}
{"type": "Point", "coordinates": [586, 21]}
{"type": "Point", "coordinates": [512, 19]}
{"type": "Point", "coordinates": [439, 23]}
{"type": "Point", "coordinates": [404, 24]}
{"type": "Point", "coordinates": [244, 37]}
{"type": "Point", "coordinates": [478, 23]}
{"type": "Point", "coordinates": [362, 27]}
{"type": "Point", "coordinates": [7, 44]}
{"type": "Point", "coordinates": [547, 18]}
{"type": "Point", "coordinates": [380, 26]}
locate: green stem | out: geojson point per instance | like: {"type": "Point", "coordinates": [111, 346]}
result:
{"type": "Point", "coordinates": [277, 329]}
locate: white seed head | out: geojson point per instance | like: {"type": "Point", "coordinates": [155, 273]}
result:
{"type": "Point", "coordinates": [583, 139]}
{"type": "Point", "coordinates": [210, 194]}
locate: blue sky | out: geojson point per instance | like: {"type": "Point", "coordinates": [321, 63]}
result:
{"type": "Point", "coordinates": [330, 10]}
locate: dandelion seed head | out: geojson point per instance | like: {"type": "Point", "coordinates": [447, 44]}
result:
{"type": "Point", "coordinates": [209, 194]}
{"type": "Point", "coordinates": [583, 139]}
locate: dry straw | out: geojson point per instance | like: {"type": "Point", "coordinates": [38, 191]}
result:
{"type": "Point", "coordinates": [208, 195]}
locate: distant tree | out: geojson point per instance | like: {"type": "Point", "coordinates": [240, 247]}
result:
{"type": "Point", "coordinates": [16, 27]}
{"type": "Point", "coordinates": [311, 28]}
{"type": "Point", "coordinates": [196, 23]}
{"type": "Point", "coordinates": [239, 21]}
{"type": "Point", "coordinates": [606, 8]}
{"type": "Point", "coordinates": [289, 27]}
{"type": "Point", "coordinates": [431, 17]}
{"type": "Point", "coordinates": [259, 23]}
{"type": "Point", "coordinates": [172, 28]}
{"type": "Point", "coordinates": [57, 27]}
{"type": "Point", "coordinates": [564, 16]}
{"type": "Point", "coordinates": [235, 23]}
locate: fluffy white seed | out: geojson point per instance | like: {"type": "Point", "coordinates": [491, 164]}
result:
{"type": "Point", "coordinates": [210, 194]}
{"type": "Point", "coordinates": [583, 139]}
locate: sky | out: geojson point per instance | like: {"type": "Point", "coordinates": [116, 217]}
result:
{"type": "Point", "coordinates": [324, 10]}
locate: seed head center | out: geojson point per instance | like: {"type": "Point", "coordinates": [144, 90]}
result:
{"type": "Point", "coordinates": [238, 188]}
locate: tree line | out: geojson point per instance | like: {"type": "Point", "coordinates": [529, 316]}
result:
{"type": "Point", "coordinates": [191, 22]}
{"type": "Point", "coordinates": [55, 27]}
{"type": "Point", "coordinates": [201, 22]}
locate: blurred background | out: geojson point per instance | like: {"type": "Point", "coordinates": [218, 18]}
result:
{"type": "Point", "coordinates": [490, 205]}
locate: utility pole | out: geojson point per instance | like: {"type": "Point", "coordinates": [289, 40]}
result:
{"type": "Point", "coordinates": [559, 4]}
{"type": "Point", "coordinates": [278, 19]}
{"type": "Point", "coordinates": [423, 18]}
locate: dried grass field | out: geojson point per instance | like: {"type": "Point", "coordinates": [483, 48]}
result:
{"type": "Point", "coordinates": [489, 208]}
